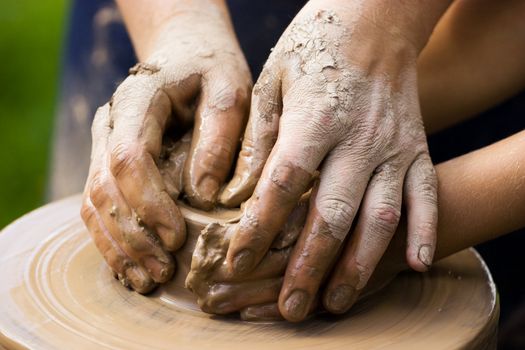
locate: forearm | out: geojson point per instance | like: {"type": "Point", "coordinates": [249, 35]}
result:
{"type": "Point", "coordinates": [145, 19]}
{"type": "Point", "coordinates": [481, 195]}
{"type": "Point", "coordinates": [473, 60]}
{"type": "Point", "coordinates": [410, 20]}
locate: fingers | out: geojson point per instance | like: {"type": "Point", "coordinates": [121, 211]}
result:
{"type": "Point", "coordinates": [121, 264]}
{"type": "Point", "coordinates": [376, 225]}
{"type": "Point", "coordinates": [273, 264]}
{"type": "Point", "coordinates": [138, 242]}
{"type": "Point", "coordinates": [420, 194]}
{"type": "Point", "coordinates": [224, 298]}
{"type": "Point", "coordinates": [294, 224]}
{"type": "Point", "coordinates": [140, 113]}
{"type": "Point", "coordinates": [332, 209]}
{"type": "Point", "coordinates": [268, 312]}
{"type": "Point", "coordinates": [117, 260]}
{"type": "Point", "coordinates": [220, 118]}
{"type": "Point", "coordinates": [259, 138]}
{"type": "Point", "coordinates": [259, 313]}
{"type": "Point", "coordinates": [172, 163]}
{"type": "Point", "coordinates": [282, 183]}
{"type": "Point", "coordinates": [140, 246]}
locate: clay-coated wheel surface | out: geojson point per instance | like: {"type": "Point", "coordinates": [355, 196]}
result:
{"type": "Point", "coordinates": [57, 293]}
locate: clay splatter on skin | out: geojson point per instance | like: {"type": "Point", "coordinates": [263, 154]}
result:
{"type": "Point", "coordinates": [309, 41]}
{"type": "Point", "coordinates": [183, 78]}
{"type": "Point", "coordinates": [215, 286]}
{"type": "Point", "coordinates": [143, 68]}
{"type": "Point", "coordinates": [350, 110]}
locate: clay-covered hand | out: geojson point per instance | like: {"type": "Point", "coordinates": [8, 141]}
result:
{"type": "Point", "coordinates": [338, 94]}
{"type": "Point", "coordinates": [194, 76]}
{"type": "Point", "coordinates": [255, 295]}
{"type": "Point", "coordinates": [218, 291]}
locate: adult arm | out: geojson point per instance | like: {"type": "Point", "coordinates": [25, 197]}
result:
{"type": "Point", "coordinates": [482, 196]}
{"type": "Point", "coordinates": [338, 94]}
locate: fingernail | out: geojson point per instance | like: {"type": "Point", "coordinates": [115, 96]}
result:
{"type": "Point", "coordinates": [224, 307]}
{"type": "Point", "coordinates": [138, 280]}
{"type": "Point", "coordinates": [258, 313]}
{"type": "Point", "coordinates": [297, 305]}
{"type": "Point", "coordinates": [234, 182]}
{"type": "Point", "coordinates": [341, 298]}
{"type": "Point", "coordinates": [243, 261]}
{"type": "Point", "coordinates": [425, 255]}
{"type": "Point", "coordinates": [208, 187]}
{"type": "Point", "coordinates": [159, 272]}
{"type": "Point", "coordinates": [168, 237]}
{"type": "Point", "coordinates": [227, 192]}
{"type": "Point", "coordinates": [229, 195]}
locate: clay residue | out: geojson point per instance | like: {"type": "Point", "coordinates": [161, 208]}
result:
{"type": "Point", "coordinates": [308, 39]}
{"type": "Point", "coordinates": [217, 290]}
{"type": "Point", "coordinates": [208, 255]}
{"type": "Point", "coordinates": [143, 68]}
{"type": "Point", "coordinates": [171, 167]}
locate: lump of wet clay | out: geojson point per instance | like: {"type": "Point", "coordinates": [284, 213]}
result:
{"type": "Point", "coordinates": [201, 264]}
{"type": "Point", "coordinates": [217, 290]}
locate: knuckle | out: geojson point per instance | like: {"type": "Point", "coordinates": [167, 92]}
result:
{"type": "Point", "coordinates": [428, 192]}
{"type": "Point", "coordinates": [134, 86]}
{"type": "Point", "coordinates": [87, 213]}
{"type": "Point", "coordinates": [135, 239]}
{"type": "Point", "coordinates": [123, 156]}
{"type": "Point", "coordinates": [316, 121]}
{"type": "Point", "coordinates": [287, 178]}
{"type": "Point", "coordinates": [230, 95]}
{"type": "Point", "coordinates": [98, 191]}
{"type": "Point", "coordinates": [215, 300]}
{"type": "Point", "coordinates": [115, 261]}
{"type": "Point", "coordinates": [218, 154]}
{"type": "Point", "coordinates": [249, 221]}
{"type": "Point", "coordinates": [385, 218]}
{"type": "Point", "coordinates": [338, 212]}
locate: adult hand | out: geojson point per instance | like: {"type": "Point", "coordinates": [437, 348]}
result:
{"type": "Point", "coordinates": [194, 74]}
{"type": "Point", "coordinates": [339, 94]}
{"type": "Point", "coordinates": [255, 295]}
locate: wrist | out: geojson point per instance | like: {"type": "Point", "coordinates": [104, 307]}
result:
{"type": "Point", "coordinates": [150, 22]}
{"type": "Point", "coordinates": [408, 21]}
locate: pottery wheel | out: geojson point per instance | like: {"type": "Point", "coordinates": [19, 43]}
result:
{"type": "Point", "coordinates": [57, 293]}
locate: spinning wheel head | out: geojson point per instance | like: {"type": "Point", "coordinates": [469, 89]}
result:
{"type": "Point", "coordinates": [57, 293]}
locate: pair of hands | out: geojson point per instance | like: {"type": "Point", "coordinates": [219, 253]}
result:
{"type": "Point", "coordinates": [255, 295]}
{"type": "Point", "coordinates": [338, 94]}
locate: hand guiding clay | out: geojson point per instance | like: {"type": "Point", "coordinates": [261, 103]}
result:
{"type": "Point", "coordinates": [338, 94]}
{"type": "Point", "coordinates": [188, 80]}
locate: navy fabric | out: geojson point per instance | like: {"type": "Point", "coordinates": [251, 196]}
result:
{"type": "Point", "coordinates": [97, 57]}
{"type": "Point", "coordinates": [98, 52]}
{"type": "Point", "coordinates": [259, 24]}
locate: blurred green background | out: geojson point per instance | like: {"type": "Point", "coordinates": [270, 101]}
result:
{"type": "Point", "coordinates": [31, 34]}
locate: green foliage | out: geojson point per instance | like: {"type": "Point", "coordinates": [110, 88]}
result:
{"type": "Point", "coordinates": [31, 35]}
